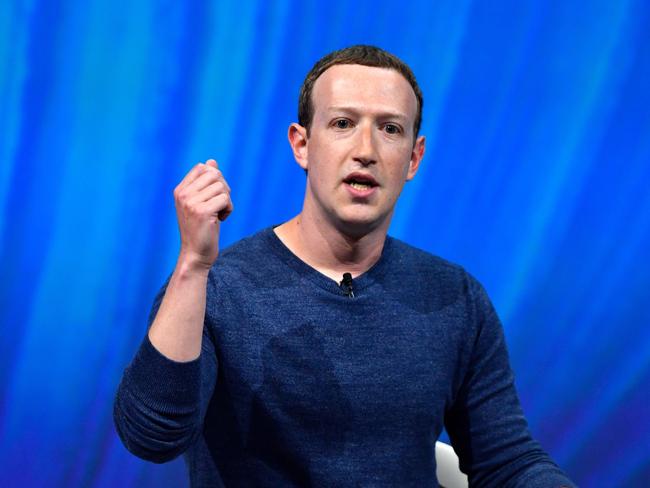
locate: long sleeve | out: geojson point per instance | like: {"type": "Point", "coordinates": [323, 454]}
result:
{"type": "Point", "coordinates": [485, 423]}
{"type": "Point", "coordinates": [160, 403]}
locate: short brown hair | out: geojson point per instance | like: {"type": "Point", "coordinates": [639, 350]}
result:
{"type": "Point", "coordinates": [365, 56]}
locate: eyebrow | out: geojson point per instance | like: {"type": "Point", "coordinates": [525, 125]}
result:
{"type": "Point", "coordinates": [381, 115]}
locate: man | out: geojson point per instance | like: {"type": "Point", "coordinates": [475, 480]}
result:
{"type": "Point", "coordinates": [322, 352]}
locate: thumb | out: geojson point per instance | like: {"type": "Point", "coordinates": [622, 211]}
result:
{"type": "Point", "coordinates": [212, 162]}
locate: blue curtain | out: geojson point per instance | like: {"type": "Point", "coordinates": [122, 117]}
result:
{"type": "Point", "coordinates": [535, 179]}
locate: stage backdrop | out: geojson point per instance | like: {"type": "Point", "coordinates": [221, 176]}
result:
{"type": "Point", "coordinates": [535, 179]}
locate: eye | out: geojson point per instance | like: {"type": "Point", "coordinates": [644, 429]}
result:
{"type": "Point", "coordinates": [342, 124]}
{"type": "Point", "coordinates": [392, 129]}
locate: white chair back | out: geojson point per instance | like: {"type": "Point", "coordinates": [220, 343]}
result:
{"type": "Point", "coordinates": [448, 473]}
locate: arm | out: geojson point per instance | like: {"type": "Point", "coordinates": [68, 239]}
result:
{"type": "Point", "coordinates": [485, 423]}
{"type": "Point", "coordinates": [164, 392]}
{"type": "Point", "coordinates": [202, 201]}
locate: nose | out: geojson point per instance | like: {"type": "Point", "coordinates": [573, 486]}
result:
{"type": "Point", "coordinates": [365, 151]}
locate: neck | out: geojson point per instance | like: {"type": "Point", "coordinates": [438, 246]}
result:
{"type": "Point", "coordinates": [331, 251]}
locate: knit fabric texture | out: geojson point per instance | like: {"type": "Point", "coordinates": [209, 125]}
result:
{"type": "Point", "coordinates": [300, 384]}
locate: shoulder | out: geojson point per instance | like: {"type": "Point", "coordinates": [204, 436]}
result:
{"type": "Point", "coordinates": [241, 268]}
{"type": "Point", "coordinates": [246, 246]}
{"type": "Point", "coordinates": [248, 251]}
{"type": "Point", "coordinates": [418, 264]}
{"type": "Point", "coordinates": [410, 253]}
{"type": "Point", "coordinates": [430, 276]}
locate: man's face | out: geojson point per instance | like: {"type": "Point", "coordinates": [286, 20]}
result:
{"type": "Point", "coordinates": [361, 149]}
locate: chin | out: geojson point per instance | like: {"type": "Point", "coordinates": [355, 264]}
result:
{"type": "Point", "coordinates": [360, 225]}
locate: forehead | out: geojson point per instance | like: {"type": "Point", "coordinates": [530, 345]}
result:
{"type": "Point", "coordinates": [364, 87]}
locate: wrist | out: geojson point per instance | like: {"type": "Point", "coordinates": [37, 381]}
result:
{"type": "Point", "coordinates": [192, 265]}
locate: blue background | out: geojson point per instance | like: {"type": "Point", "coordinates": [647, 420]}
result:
{"type": "Point", "coordinates": [535, 179]}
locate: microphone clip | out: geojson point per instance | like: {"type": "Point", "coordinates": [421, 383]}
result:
{"type": "Point", "coordinates": [347, 284]}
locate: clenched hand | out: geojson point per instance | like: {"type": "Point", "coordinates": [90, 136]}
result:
{"type": "Point", "coordinates": [202, 201]}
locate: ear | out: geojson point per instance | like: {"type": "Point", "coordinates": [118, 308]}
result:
{"type": "Point", "coordinates": [298, 140]}
{"type": "Point", "coordinates": [416, 156]}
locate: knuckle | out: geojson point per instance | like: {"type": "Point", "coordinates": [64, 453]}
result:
{"type": "Point", "coordinates": [221, 202]}
{"type": "Point", "coordinates": [194, 210]}
{"type": "Point", "coordinates": [182, 195]}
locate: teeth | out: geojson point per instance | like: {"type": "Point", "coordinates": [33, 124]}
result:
{"type": "Point", "coordinates": [359, 186]}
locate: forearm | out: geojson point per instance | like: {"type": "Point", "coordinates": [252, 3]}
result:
{"type": "Point", "coordinates": [161, 402]}
{"type": "Point", "coordinates": [176, 331]}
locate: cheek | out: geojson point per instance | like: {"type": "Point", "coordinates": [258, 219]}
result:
{"type": "Point", "coordinates": [321, 174]}
{"type": "Point", "coordinates": [401, 163]}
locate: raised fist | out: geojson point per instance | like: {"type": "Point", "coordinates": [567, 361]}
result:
{"type": "Point", "coordinates": [202, 201]}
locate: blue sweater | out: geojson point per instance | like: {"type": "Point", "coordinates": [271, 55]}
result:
{"type": "Point", "coordinates": [299, 384]}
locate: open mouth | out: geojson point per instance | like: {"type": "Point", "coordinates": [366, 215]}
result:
{"type": "Point", "coordinates": [360, 181]}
